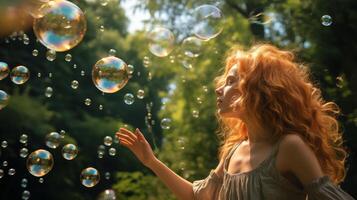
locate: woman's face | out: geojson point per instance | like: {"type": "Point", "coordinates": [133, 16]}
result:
{"type": "Point", "coordinates": [227, 94]}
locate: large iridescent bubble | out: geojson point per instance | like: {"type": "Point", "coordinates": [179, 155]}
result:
{"type": "Point", "coordinates": [110, 74]}
{"type": "Point", "coordinates": [208, 22]}
{"type": "Point", "coordinates": [89, 177]}
{"type": "Point", "coordinates": [62, 26]}
{"type": "Point", "coordinates": [39, 162]}
{"type": "Point", "coordinates": [162, 41]}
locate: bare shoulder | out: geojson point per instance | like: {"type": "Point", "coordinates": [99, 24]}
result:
{"type": "Point", "coordinates": [298, 158]}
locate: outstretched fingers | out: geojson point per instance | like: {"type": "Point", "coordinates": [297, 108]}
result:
{"type": "Point", "coordinates": [129, 133]}
{"type": "Point", "coordinates": [127, 137]}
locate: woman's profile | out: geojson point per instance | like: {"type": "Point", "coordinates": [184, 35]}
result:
{"type": "Point", "coordinates": [280, 138]}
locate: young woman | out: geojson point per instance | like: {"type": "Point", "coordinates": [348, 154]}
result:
{"type": "Point", "coordinates": [280, 139]}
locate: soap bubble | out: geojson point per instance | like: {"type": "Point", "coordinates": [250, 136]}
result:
{"type": "Point", "coordinates": [82, 73]}
{"type": "Point", "coordinates": [101, 151]}
{"type": "Point", "coordinates": [24, 152]}
{"type": "Point", "coordinates": [20, 74]}
{"type": "Point", "coordinates": [53, 140]}
{"type": "Point", "coordinates": [107, 175]}
{"type": "Point", "coordinates": [74, 84]}
{"type": "Point", "coordinates": [89, 177]}
{"type": "Point", "coordinates": [24, 183]}
{"type": "Point", "coordinates": [4, 144]}
{"type": "Point", "coordinates": [191, 46]}
{"type": "Point", "coordinates": [35, 52]}
{"type": "Point", "coordinates": [166, 123]}
{"type": "Point", "coordinates": [39, 162]}
{"type": "Point", "coordinates": [110, 74]}
{"type": "Point", "coordinates": [1, 173]}
{"type": "Point", "coordinates": [11, 171]}
{"type": "Point", "coordinates": [25, 195]}
{"type": "Point", "coordinates": [108, 141]}
{"type": "Point", "coordinates": [5, 163]}
{"type": "Point", "coordinates": [69, 151]}
{"type": "Point", "coordinates": [112, 151]}
{"type": "Point", "coordinates": [129, 98]}
{"type": "Point", "coordinates": [4, 70]}
{"type": "Point", "coordinates": [68, 57]}
{"type": "Point", "coordinates": [326, 20]}
{"type": "Point", "coordinates": [103, 2]}
{"type": "Point", "coordinates": [100, 107]}
{"type": "Point", "coordinates": [108, 194]}
{"type": "Point", "coordinates": [62, 26]}
{"type": "Point", "coordinates": [140, 94]}
{"type": "Point", "coordinates": [130, 69]}
{"type": "Point", "coordinates": [4, 99]}
{"type": "Point", "coordinates": [48, 92]}
{"type": "Point", "coordinates": [41, 180]}
{"type": "Point", "coordinates": [87, 101]}
{"type": "Point", "coordinates": [51, 55]}
{"type": "Point", "coordinates": [208, 22]}
{"type": "Point", "coordinates": [161, 42]}
{"type": "Point", "coordinates": [112, 52]}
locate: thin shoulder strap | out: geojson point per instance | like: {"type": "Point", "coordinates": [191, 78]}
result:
{"type": "Point", "coordinates": [231, 152]}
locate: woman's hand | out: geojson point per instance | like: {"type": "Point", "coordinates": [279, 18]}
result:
{"type": "Point", "coordinates": [137, 143]}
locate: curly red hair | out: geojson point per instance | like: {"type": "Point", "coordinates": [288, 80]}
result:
{"type": "Point", "coordinates": [277, 90]}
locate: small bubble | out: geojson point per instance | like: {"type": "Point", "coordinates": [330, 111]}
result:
{"type": "Point", "coordinates": [48, 92]}
{"type": "Point", "coordinates": [11, 171]}
{"type": "Point", "coordinates": [74, 84]}
{"type": "Point", "coordinates": [68, 57]}
{"type": "Point", "coordinates": [100, 107]}
{"type": "Point", "coordinates": [140, 94]}
{"type": "Point", "coordinates": [25, 195]}
{"type": "Point", "coordinates": [4, 144]}
{"type": "Point", "coordinates": [5, 163]}
{"type": "Point", "coordinates": [87, 101]}
{"type": "Point", "coordinates": [35, 52]}
{"type": "Point", "coordinates": [326, 20]}
{"type": "Point", "coordinates": [112, 52]}
{"type": "Point", "coordinates": [41, 180]}
{"type": "Point", "coordinates": [108, 141]}
{"type": "Point", "coordinates": [24, 183]}
{"type": "Point", "coordinates": [24, 152]}
{"type": "Point", "coordinates": [82, 73]}
{"type": "Point", "coordinates": [112, 151]}
{"type": "Point", "coordinates": [51, 55]}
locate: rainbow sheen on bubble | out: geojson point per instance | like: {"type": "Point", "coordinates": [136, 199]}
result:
{"type": "Point", "coordinates": [89, 177]}
{"type": "Point", "coordinates": [161, 41]}
{"type": "Point", "coordinates": [39, 162]}
{"type": "Point", "coordinates": [20, 74]}
{"type": "Point", "coordinates": [110, 74]}
{"type": "Point", "coordinates": [69, 151]}
{"type": "Point", "coordinates": [208, 22]}
{"type": "Point", "coordinates": [4, 99]}
{"type": "Point", "coordinates": [4, 70]}
{"type": "Point", "coordinates": [62, 26]}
